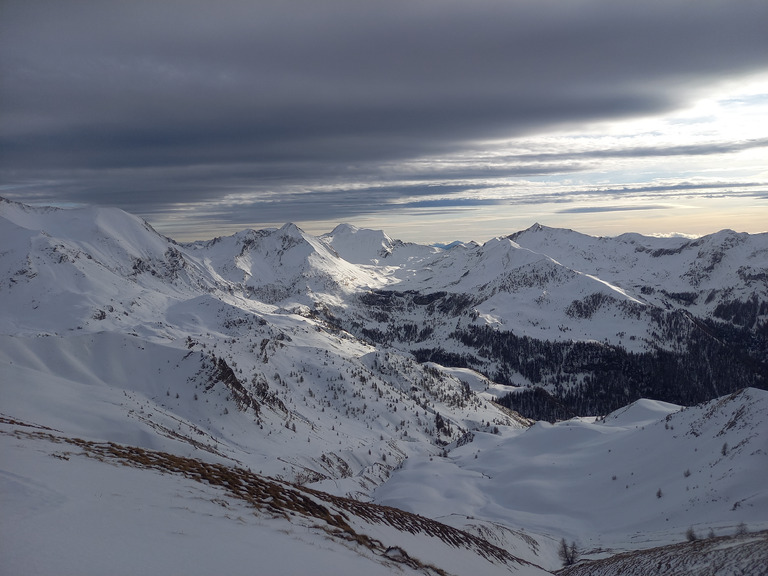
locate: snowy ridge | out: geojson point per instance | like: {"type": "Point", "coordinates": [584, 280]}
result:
{"type": "Point", "coordinates": [698, 274]}
{"type": "Point", "coordinates": [160, 344]}
{"type": "Point", "coordinates": [356, 366]}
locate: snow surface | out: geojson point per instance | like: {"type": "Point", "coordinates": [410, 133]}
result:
{"type": "Point", "coordinates": [64, 513]}
{"type": "Point", "coordinates": [597, 482]}
{"type": "Point", "coordinates": [226, 351]}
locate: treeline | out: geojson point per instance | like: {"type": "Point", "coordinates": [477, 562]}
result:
{"type": "Point", "coordinates": [694, 360]}
{"type": "Point", "coordinates": [589, 378]}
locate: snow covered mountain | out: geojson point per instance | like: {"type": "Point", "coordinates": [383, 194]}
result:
{"type": "Point", "coordinates": [595, 322]}
{"type": "Point", "coordinates": [250, 385]}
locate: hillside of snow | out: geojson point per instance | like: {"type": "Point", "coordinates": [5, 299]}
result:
{"type": "Point", "coordinates": [72, 506]}
{"type": "Point", "coordinates": [352, 365]}
{"type": "Point", "coordinates": [637, 478]}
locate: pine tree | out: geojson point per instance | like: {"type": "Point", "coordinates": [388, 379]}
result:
{"type": "Point", "coordinates": [568, 554]}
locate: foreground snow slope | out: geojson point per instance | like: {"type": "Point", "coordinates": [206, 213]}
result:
{"type": "Point", "coordinates": [76, 507]}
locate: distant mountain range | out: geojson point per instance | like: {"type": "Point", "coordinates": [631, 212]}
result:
{"type": "Point", "coordinates": [305, 381]}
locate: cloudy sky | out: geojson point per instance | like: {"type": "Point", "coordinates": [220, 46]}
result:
{"type": "Point", "coordinates": [431, 119]}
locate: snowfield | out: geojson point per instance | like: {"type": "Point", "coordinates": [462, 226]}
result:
{"type": "Point", "coordinates": [256, 403]}
{"type": "Point", "coordinates": [598, 483]}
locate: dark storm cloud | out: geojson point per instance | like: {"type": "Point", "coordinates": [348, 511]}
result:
{"type": "Point", "coordinates": [146, 104]}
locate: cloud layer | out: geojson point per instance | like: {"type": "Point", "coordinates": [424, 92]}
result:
{"type": "Point", "coordinates": [330, 108]}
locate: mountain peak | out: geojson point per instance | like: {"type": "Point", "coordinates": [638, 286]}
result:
{"type": "Point", "coordinates": [359, 245]}
{"type": "Point", "coordinates": [537, 228]}
{"type": "Point", "coordinates": [344, 228]}
{"type": "Point", "coordinates": [291, 228]}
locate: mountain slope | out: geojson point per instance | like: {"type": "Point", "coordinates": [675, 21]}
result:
{"type": "Point", "coordinates": [700, 275]}
{"type": "Point", "coordinates": [354, 365]}
{"type": "Point", "coordinates": [196, 353]}
{"type": "Point", "coordinates": [638, 478]}
{"type": "Point", "coordinates": [740, 554]}
{"type": "Point", "coordinates": [201, 517]}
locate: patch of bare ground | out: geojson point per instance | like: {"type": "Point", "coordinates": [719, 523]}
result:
{"type": "Point", "coordinates": [738, 555]}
